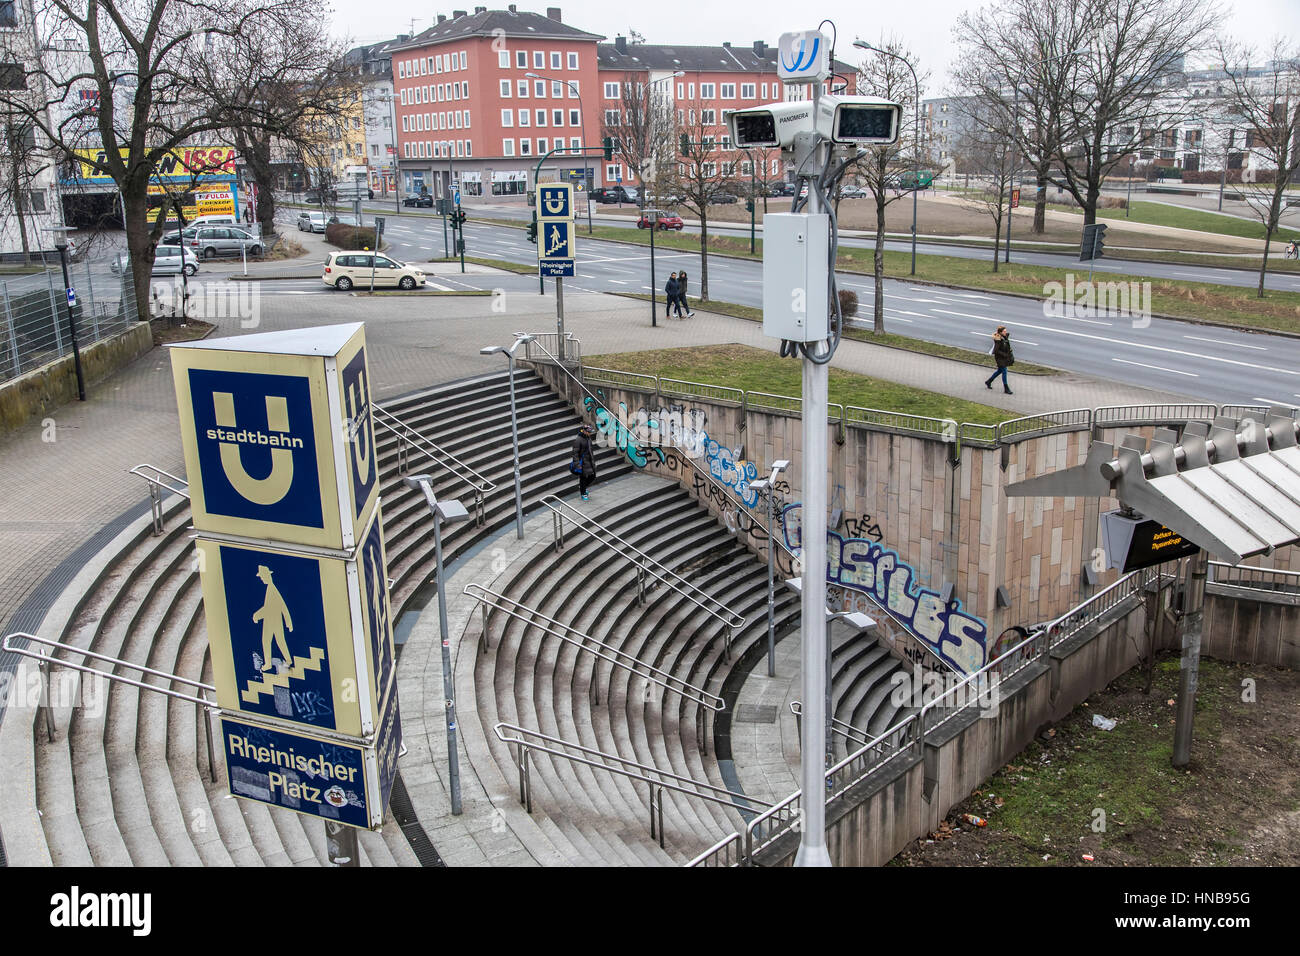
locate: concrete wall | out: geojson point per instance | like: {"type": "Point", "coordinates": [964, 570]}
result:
{"type": "Point", "coordinates": [45, 388]}
{"type": "Point", "coordinates": [1252, 630]}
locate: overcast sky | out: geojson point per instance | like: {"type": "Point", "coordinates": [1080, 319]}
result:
{"type": "Point", "coordinates": [924, 26]}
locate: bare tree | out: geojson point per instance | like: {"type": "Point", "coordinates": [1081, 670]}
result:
{"type": "Point", "coordinates": [266, 85]}
{"type": "Point", "coordinates": [138, 58]}
{"type": "Point", "coordinates": [1136, 51]}
{"type": "Point", "coordinates": [988, 146]}
{"type": "Point", "coordinates": [699, 179]}
{"type": "Point", "coordinates": [22, 163]}
{"type": "Point", "coordinates": [1015, 60]}
{"type": "Point", "coordinates": [886, 75]}
{"type": "Point", "coordinates": [641, 128]}
{"type": "Point", "coordinates": [1266, 103]}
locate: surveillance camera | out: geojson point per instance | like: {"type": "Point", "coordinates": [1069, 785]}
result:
{"type": "Point", "coordinates": [861, 120]}
{"type": "Point", "coordinates": [775, 124]}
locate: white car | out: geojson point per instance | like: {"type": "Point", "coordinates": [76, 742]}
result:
{"type": "Point", "coordinates": [854, 192]}
{"type": "Point", "coordinates": [166, 262]}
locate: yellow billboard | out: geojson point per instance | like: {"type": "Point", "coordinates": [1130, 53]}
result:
{"type": "Point", "coordinates": [198, 163]}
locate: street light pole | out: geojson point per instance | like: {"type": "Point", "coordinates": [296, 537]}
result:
{"type": "Point", "coordinates": [514, 426]}
{"type": "Point", "coordinates": [62, 245]}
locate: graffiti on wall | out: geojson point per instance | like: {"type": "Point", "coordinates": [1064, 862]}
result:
{"type": "Point", "coordinates": [867, 566]}
{"type": "Point", "coordinates": [612, 431]}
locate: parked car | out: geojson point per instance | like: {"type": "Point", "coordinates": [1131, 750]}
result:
{"type": "Point", "coordinates": [343, 270]}
{"type": "Point", "coordinates": [224, 220]}
{"type": "Point", "coordinates": [722, 199]}
{"type": "Point", "coordinates": [314, 221]}
{"type": "Point", "coordinates": [612, 194]}
{"type": "Point", "coordinates": [212, 241]}
{"type": "Point", "coordinates": [166, 262]}
{"type": "Point", "coordinates": [667, 220]}
{"type": "Point", "coordinates": [424, 200]}
{"type": "Point", "coordinates": [854, 192]}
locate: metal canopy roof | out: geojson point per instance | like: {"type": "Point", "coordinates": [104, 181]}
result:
{"type": "Point", "coordinates": [1232, 488]}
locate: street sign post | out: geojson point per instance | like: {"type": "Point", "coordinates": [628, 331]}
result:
{"type": "Point", "coordinates": [279, 448]}
{"type": "Point", "coordinates": [555, 236]}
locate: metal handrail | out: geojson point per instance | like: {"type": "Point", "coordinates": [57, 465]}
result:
{"type": "Point", "coordinates": [1284, 581]}
{"type": "Point", "coordinates": [726, 852]}
{"type": "Point", "coordinates": [1069, 419]}
{"type": "Point", "coordinates": [1065, 626]}
{"type": "Point", "coordinates": [407, 435]}
{"type": "Point", "coordinates": [668, 780]}
{"type": "Point", "coordinates": [843, 728]}
{"type": "Point", "coordinates": [47, 661]}
{"type": "Point", "coordinates": [723, 393]}
{"type": "Point", "coordinates": [155, 477]}
{"type": "Point", "coordinates": [609, 376]}
{"type": "Point", "coordinates": [656, 569]}
{"type": "Point", "coordinates": [615, 656]}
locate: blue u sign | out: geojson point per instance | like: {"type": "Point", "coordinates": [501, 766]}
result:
{"type": "Point", "coordinates": [356, 412]}
{"type": "Point", "coordinates": [256, 446]}
{"type": "Point", "coordinates": [801, 55]}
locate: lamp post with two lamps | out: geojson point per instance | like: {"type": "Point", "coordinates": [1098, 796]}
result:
{"type": "Point", "coordinates": [514, 424]}
{"type": "Point", "coordinates": [767, 488]}
{"type": "Point", "coordinates": [449, 511]}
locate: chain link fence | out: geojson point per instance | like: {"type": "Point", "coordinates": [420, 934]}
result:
{"type": "Point", "coordinates": [34, 326]}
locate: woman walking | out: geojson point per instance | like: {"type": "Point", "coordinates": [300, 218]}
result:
{"type": "Point", "coordinates": [671, 293]}
{"type": "Point", "coordinates": [584, 460]}
{"type": "Point", "coordinates": [1003, 356]}
{"type": "Point", "coordinates": [681, 295]}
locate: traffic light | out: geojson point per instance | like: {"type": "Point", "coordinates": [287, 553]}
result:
{"type": "Point", "coordinates": [458, 218]}
{"type": "Point", "coordinates": [749, 205]}
{"type": "Point", "coordinates": [609, 148]}
{"type": "Point", "coordinates": [1093, 244]}
{"type": "Point", "coordinates": [686, 145]}
{"type": "Point", "coordinates": [532, 232]}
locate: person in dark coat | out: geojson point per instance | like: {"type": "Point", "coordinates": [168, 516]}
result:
{"type": "Point", "coordinates": [681, 295]}
{"type": "Point", "coordinates": [583, 463]}
{"type": "Point", "coordinates": [1003, 356]}
{"type": "Point", "coordinates": [671, 293]}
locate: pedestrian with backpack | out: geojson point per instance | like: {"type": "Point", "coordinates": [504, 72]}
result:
{"type": "Point", "coordinates": [671, 293]}
{"type": "Point", "coordinates": [681, 296]}
{"type": "Point", "coordinates": [583, 461]}
{"type": "Point", "coordinates": [1003, 356]}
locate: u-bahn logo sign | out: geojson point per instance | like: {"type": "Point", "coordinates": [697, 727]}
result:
{"type": "Point", "coordinates": [802, 56]}
{"type": "Point", "coordinates": [278, 435]}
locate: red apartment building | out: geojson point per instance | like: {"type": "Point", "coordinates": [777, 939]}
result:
{"type": "Point", "coordinates": [467, 106]}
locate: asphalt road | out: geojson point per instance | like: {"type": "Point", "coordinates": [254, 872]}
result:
{"type": "Point", "coordinates": [1205, 363]}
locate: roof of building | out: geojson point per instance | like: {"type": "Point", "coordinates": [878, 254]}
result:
{"type": "Point", "coordinates": [692, 59]}
{"type": "Point", "coordinates": [485, 22]}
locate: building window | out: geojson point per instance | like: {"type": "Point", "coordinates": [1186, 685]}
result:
{"type": "Point", "coordinates": [523, 88]}
{"type": "Point", "coordinates": [557, 89]}
{"type": "Point", "coordinates": [541, 117]}
{"type": "Point", "coordinates": [707, 91]}
{"type": "Point", "coordinates": [611, 91]}
{"type": "Point", "coordinates": [525, 147]}
{"type": "Point", "coordinates": [681, 90]}
{"type": "Point", "coordinates": [555, 60]}
{"type": "Point", "coordinates": [507, 147]}
{"type": "Point", "coordinates": [575, 118]}
{"type": "Point", "coordinates": [521, 59]}
{"type": "Point", "coordinates": [747, 91]}
{"type": "Point", "coordinates": [503, 59]}
{"type": "Point", "coordinates": [539, 60]}
{"type": "Point", "coordinates": [437, 64]}
{"type": "Point", "coordinates": [574, 91]}
{"type": "Point", "coordinates": [728, 91]}
{"type": "Point", "coordinates": [690, 91]}
{"type": "Point", "coordinates": [557, 117]}
{"type": "Point", "coordinates": [505, 88]}
{"type": "Point", "coordinates": [462, 60]}
{"type": "Point", "coordinates": [539, 89]}
{"type": "Point", "coordinates": [467, 119]}
{"type": "Point", "coordinates": [507, 117]}
{"type": "Point", "coordinates": [523, 117]}
{"type": "Point", "coordinates": [612, 117]}
{"type": "Point", "coordinates": [541, 146]}
{"type": "Point", "coordinates": [708, 117]}
{"type": "Point", "coordinates": [469, 147]}
{"type": "Point", "coordinates": [574, 142]}
{"type": "Point", "coordinates": [31, 200]}
{"type": "Point", "coordinates": [614, 172]}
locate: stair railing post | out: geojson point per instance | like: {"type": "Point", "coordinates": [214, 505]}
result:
{"type": "Point", "coordinates": [206, 716]}
{"type": "Point", "coordinates": [46, 696]}
{"type": "Point", "coordinates": [661, 817]}
{"type": "Point", "coordinates": [155, 498]}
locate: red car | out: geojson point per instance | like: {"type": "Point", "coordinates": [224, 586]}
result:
{"type": "Point", "coordinates": [667, 220]}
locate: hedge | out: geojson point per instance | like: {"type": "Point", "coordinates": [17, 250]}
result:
{"type": "Point", "coordinates": [350, 237]}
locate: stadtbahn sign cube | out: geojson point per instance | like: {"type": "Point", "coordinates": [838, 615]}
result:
{"type": "Point", "coordinates": [554, 201]}
{"type": "Point", "coordinates": [327, 777]}
{"type": "Point", "coordinates": [300, 638]}
{"type": "Point", "coordinates": [277, 435]}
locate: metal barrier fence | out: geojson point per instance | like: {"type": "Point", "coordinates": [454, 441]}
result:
{"type": "Point", "coordinates": [34, 329]}
{"type": "Point", "coordinates": [1247, 576]}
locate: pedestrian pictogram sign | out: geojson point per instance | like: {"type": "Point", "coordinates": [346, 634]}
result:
{"type": "Point", "coordinates": [557, 240]}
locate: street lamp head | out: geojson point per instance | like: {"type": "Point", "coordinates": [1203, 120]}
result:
{"type": "Point", "coordinates": [761, 485]}
{"type": "Point", "coordinates": [864, 45]}
{"type": "Point", "coordinates": [780, 465]}
{"type": "Point", "coordinates": [450, 511]}
{"type": "Point", "coordinates": [490, 349]}
{"type": "Point", "coordinates": [525, 338]}
{"type": "Point", "coordinates": [532, 76]}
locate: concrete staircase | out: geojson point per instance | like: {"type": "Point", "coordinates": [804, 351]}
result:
{"type": "Point", "coordinates": [126, 780]}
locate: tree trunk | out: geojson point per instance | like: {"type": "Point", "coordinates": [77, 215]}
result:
{"type": "Point", "coordinates": [997, 237]}
{"type": "Point", "coordinates": [1040, 202]}
{"type": "Point", "coordinates": [878, 268]}
{"type": "Point", "coordinates": [1091, 198]}
{"type": "Point", "coordinates": [139, 238]}
{"type": "Point", "coordinates": [1263, 265]}
{"type": "Point", "coordinates": [704, 258]}
{"type": "Point", "coordinates": [258, 157]}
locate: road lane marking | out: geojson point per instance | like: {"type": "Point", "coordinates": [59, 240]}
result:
{"type": "Point", "coordinates": [1158, 368]}
{"type": "Point", "coordinates": [1113, 341]}
{"type": "Point", "coordinates": [1198, 338]}
{"type": "Point", "coordinates": [1269, 401]}
{"type": "Point", "coordinates": [985, 335]}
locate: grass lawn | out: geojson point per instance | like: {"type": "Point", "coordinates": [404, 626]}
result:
{"type": "Point", "coordinates": [740, 366]}
{"type": "Point", "coordinates": [502, 264]}
{"type": "Point", "coordinates": [1202, 220]}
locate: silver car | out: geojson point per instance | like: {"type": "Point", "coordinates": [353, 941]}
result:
{"type": "Point", "coordinates": [212, 241]}
{"type": "Point", "coordinates": [166, 262]}
{"type": "Point", "coordinates": [314, 221]}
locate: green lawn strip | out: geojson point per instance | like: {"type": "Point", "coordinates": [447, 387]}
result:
{"type": "Point", "coordinates": [1184, 217]}
{"type": "Point", "coordinates": [1054, 790]}
{"type": "Point", "coordinates": [426, 292]}
{"type": "Point", "coordinates": [502, 264]}
{"type": "Point", "coordinates": [888, 339]}
{"type": "Point", "coordinates": [744, 367]}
